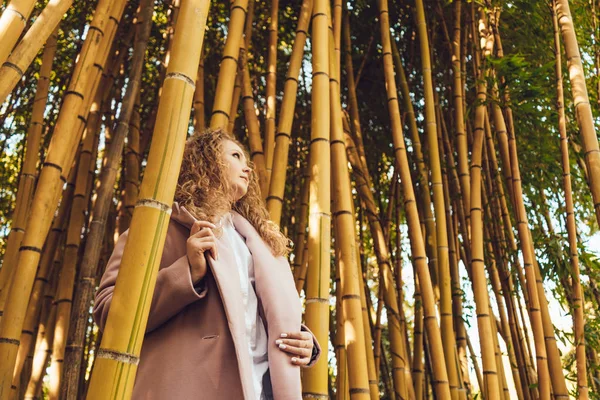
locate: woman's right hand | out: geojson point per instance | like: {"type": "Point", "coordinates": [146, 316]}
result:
{"type": "Point", "coordinates": [201, 239]}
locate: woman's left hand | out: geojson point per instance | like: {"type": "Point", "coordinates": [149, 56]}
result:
{"type": "Point", "coordinates": [298, 345]}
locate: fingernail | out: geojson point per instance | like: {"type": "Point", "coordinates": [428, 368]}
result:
{"type": "Point", "coordinates": [282, 346]}
{"type": "Point", "coordinates": [294, 359]}
{"type": "Point", "coordinates": [278, 341]}
{"type": "Point", "coordinates": [284, 335]}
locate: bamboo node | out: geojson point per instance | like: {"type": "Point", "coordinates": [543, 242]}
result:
{"type": "Point", "coordinates": [317, 300]}
{"type": "Point", "coordinates": [154, 204]}
{"type": "Point", "coordinates": [16, 342]}
{"type": "Point", "coordinates": [118, 356]}
{"type": "Point", "coordinates": [181, 77]}
{"type": "Point", "coordinates": [15, 67]}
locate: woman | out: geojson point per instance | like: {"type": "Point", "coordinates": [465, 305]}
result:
{"type": "Point", "coordinates": [225, 316]}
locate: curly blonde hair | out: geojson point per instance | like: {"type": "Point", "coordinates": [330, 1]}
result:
{"type": "Point", "coordinates": [204, 191]}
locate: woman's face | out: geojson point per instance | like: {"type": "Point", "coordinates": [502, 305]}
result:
{"type": "Point", "coordinates": [237, 171]}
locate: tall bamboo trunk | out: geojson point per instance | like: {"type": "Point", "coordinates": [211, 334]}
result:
{"type": "Point", "coordinates": [68, 131]}
{"type": "Point", "coordinates": [199, 116]}
{"type": "Point", "coordinates": [319, 225]}
{"type": "Point", "coordinates": [344, 224]}
{"type": "Point", "coordinates": [132, 161]}
{"type": "Point", "coordinates": [21, 57]}
{"type": "Point", "coordinates": [443, 267]}
{"type": "Point", "coordinates": [256, 148]}
{"type": "Point", "coordinates": [288, 104]}
{"type": "Point", "coordinates": [271, 99]}
{"type": "Point", "coordinates": [583, 110]}
{"type": "Point", "coordinates": [47, 271]}
{"type": "Point", "coordinates": [77, 221]}
{"type": "Point", "coordinates": [28, 171]}
{"type": "Point", "coordinates": [229, 64]}
{"type": "Point", "coordinates": [43, 352]}
{"type": "Point", "coordinates": [74, 354]}
{"type": "Point", "coordinates": [117, 357]}
{"type": "Point", "coordinates": [12, 23]}
{"type": "Point", "coordinates": [441, 385]}
{"type": "Point", "coordinates": [577, 310]}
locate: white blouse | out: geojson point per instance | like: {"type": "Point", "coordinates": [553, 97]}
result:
{"type": "Point", "coordinates": [256, 336]}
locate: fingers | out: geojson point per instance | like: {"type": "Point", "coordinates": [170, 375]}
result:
{"type": "Point", "coordinates": [198, 225]}
{"type": "Point", "coordinates": [204, 243]}
{"type": "Point", "coordinates": [300, 348]}
{"type": "Point", "coordinates": [302, 335]}
{"type": "Point", "coordinates": [297, 344]}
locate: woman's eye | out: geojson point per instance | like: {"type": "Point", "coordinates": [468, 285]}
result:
{"type": "Point", "coordinates": [237, 155]}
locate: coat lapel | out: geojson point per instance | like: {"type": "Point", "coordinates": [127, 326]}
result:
{"type": "Point", "coordinates": [282, 309]}
{"type": "Point", "coordinates": [227, 278]}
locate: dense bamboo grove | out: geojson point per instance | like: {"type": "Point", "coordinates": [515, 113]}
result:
{"type": "Point", "coordinates": [435, 164]}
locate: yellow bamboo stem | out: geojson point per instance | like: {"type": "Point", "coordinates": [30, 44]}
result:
{"type": "Point", "coordinates": [271, 100]}
{"type": "Point", "coordinates": [344, 223]}
{"type": "Point", "coordinates": [583, 110]}
{"type": "Point", "coordinates": [577, 310]}
{"type": "Point", "coordinates": [28, 171]}
{"type": "Point", "coordinates": [288, 104]}
{"type": "Point", "coordinates": [21, 57]}
{"type": "Point", "coordinates": [441, 384]}
{"type": "Point", "coordinates": [116, 359]}
{"type": "Point", "coordinates": [319, 225]}
{"type": "Point", "coordinates": [229, 64]}
{"type": "Point", "coordinates": [61, 152]}
{"type": "Point", "coordinates": [12, 23]}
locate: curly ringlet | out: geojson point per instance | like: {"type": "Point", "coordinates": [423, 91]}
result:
{"type": "Point", "coordinates": [204, 191]}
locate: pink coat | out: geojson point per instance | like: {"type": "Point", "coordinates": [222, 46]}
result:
{"type": "Point", "coordinates": [194, 343]}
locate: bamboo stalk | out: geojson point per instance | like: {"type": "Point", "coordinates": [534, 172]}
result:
{"type": "Point", "coordinates": [319, 225]}
{"type": "Point", "coordinates": [64, 292]}
{"type": "Point", "coordinates": [577, 309]}
{"type": "Point", "coordinates": [256, 148]}
{"type": "Point", "coordinates": [583, 110]}
{"type": "Point", "coordinates": [83, 295]}
{"type": "Point", "coordinates": [229, 64]}
{"type": "Point", "coordinates": [271, 89]}
{"type": "Point", "coordinates": [13, 67]}
{"type": "Point", "coordinates": [28, 170]}
{"type": "Point", "coordinates": [61, 152]}
{"type": "Point", "coordinates": [443, 267]}
{"type": "Point", "coordinates": [344, 223]}
{"type": "Point", "coordinates": [123, 334]}
{"type": "Point", "coordinates": [440, 374]}
{"type": "Point", "coordinates": [199, 112]}
{"type": "Point", "coordinates": [284, 128]}
{"type": "Point", "coordinates": [12, 23]}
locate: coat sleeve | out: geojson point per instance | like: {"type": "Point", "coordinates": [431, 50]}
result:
{"type": "Point", "coordinates": [316, 348]}
{"type": "Point", "coordinates": [174, 289]}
